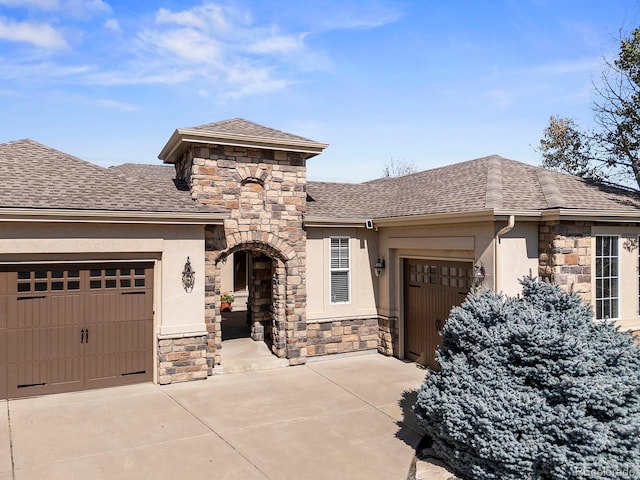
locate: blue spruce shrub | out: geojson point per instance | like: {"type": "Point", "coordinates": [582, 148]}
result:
{"type": "Point", "coordinates": [532, 387]}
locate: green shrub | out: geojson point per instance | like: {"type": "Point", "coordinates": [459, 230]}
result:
{"type": "Point", "coordinates": [532, 387]}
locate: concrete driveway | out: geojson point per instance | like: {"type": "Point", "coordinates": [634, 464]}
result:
{"type": "Point", "coordinates": [347, 418]}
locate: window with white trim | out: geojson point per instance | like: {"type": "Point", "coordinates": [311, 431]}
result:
{"type": "Point", "coordinates": [339, 266]}
{"type": "Point", "coordinates": [607, 277]}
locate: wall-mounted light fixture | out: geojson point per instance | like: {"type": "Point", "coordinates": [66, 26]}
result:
{"type": "Point", "coordinates": [378, 268]}
{"type": "Point", "coordinates": [188, 276]}
{"type": "Point", "coordinates": [478, 274]}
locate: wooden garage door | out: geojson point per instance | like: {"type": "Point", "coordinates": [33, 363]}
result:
{"type": "Point", "coordinates": [74, 327]}
{"type": "Point", "coordinates": [431, 289]}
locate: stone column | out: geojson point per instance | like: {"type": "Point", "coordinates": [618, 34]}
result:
{"type": "Point", "coordinates": [565, 256]}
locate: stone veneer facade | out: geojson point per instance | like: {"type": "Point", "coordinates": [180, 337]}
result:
{"type": "Point", "coordinates": [389, 336]}
{"type": "Point", "coordinates": [264, 191]}
{"type": "Point", "coordinates": [182, 358]}
{"type": "Point", "coordinates": [342, 336]}
{"type": "Point", "coordinates": [565, 255]}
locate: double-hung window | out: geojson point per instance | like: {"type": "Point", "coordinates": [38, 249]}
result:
{"type": "Point", "coordinates": [339, 266]}
{"type": "Point", "coordinates": [607, 277]}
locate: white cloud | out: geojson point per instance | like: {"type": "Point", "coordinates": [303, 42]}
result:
{"type": "Point", "coordinates": [43, 4]}
{"type": "Point", "coordinates": [202, 17]}
{"type": "Point", "coordinates": [73, 8]}
{"type": "Point", "coordinates": [245, 80]}
{"type": "Point", "coordinates": [278, 44]}
{"type": "Point", "coordinates": [113, 25]}
{"type": "Point", "coordinates": [31, 72]}
{"type": "Point", "coordinates": [186, 44]}
{"type": "Point", "coordinates": [136, 76]}
{"type": "Point", "coordinates": [224, 50]}
{"type": "Point", "coordinates": [85, 8]}
{"type": "Point", "coordinates": [361, 17]}
{"type": "Point", "coordinates": [584, 65]}
{"type": "Point", "coordinates": [221, 50]}
{"type": "Point", "coordinates": [114, 104]}
{"type": "Point", "coordinates": [38, 34]}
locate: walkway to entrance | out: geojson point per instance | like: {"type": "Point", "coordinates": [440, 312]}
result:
{"type": "Point", "coordinates": [349, 418]}
{"type": "Point", "coordinates": [240, 353]}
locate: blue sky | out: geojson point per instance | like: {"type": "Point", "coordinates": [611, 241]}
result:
{"type": "Point", "coordinates": [425, 81]}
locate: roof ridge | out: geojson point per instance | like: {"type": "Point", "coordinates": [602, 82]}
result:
{"type": "Point", "coordinates": [552, 194]}
{"type": "Point", "coordinates": [494, 197]}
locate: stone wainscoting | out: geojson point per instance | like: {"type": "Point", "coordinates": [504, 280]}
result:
{"type": "Point", "coordinates": [341, 336]}
{"type": "Point", "coordinates": [389, 336]}
{"type": "Point", "coordinates": [182, 358]}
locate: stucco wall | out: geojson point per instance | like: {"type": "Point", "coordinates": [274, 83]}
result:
{"type": "Point", "coordinates": [467, 242]}
{"type": "Point", "coordinates": [363, 250]}
{"type": "Point", "coordinates": [176, 311]}
{"type": "Point", "coordinates": [517, 256]}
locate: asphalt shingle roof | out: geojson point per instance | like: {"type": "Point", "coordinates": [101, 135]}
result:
{"type": "Point", "coordinates": [240, 126]}
{"type": "Point", "coordinates": [36, 176]}
{"type": "Point", "coordinates": [485, 183]}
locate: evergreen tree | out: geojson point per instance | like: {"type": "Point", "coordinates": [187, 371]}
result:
{"type": "Point", "coordinates": [532, 387]}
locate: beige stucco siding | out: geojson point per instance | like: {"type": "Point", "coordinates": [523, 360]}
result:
{"type": "Point", "coordinates": [168, 246]}
{"type": "Point", "coordinates": [471, 242]}
{"type": "Point", "coordinates": [517, 256]}
{"type": "Point", "coordinates": [363, 255]}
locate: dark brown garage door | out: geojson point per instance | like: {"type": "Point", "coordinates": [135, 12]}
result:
{"type": "Point", "coordinates": [75, 327]}
{"type": "Point", "coordinates": [431, 289]}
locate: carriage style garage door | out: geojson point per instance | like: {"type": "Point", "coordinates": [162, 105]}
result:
{"type": "Point", "coordinates": [431, 289]}
{"type": "Point", "coordinates": [74, 327]}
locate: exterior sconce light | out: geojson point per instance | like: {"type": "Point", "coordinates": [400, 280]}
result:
{"type": "Point", "coordinates": [478, 275]}
{"type": "Point", "coordinates": [188, 276]}
{"type": "Point", "coordinates": [378, 268]}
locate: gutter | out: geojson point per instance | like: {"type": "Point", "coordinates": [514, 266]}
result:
{"type": "Point", "coordinates": [110, 216]}
{"type": "Point", "coordinates": [439, 218]}
{"type": "Point", "coordinates": [496, 251]}
{"type": "Point", "coordinates": [591, 215]}
{"type": "Point", "coordinates": [311, 221]}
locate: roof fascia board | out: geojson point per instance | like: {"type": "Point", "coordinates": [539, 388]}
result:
{"type": "Point", "coordinates": [184, 136]}
{"type": "Point", "coordinates": [438, 218]}
{"type": "Point", "coordinates": [334, 222]}
{"type": "Point", "coordinates": [106, 216]}
{"type": "Point", "coordinates": [592, 215]}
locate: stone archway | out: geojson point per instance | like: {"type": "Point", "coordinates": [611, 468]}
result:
{"type": "Point", "coordinates": [267, 294]}
{"type": "Point", "coordinates": [256, 178]}
{"type": "Point", "coordinates": [277, 290]}
{"type": "Point", "coordinates": [253, 179]}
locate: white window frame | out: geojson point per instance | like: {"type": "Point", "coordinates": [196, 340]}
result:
{"type": "Point", "coordinates": [346, 269]}
{"type": "Point", "coordinates": [600, 308]}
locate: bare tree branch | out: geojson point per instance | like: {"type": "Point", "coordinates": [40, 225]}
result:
{"type": "Point", "coordinates": [612, 149]}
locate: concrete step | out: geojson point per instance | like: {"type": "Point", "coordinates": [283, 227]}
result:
{"type": "Point", "coordinates": [246, 355]}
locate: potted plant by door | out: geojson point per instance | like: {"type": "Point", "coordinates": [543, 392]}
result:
{"type": "Point", "coordinates": [226, 299]}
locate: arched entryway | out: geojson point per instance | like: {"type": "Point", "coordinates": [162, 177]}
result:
{"type": "Point", "coordinates": [264, 316]}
